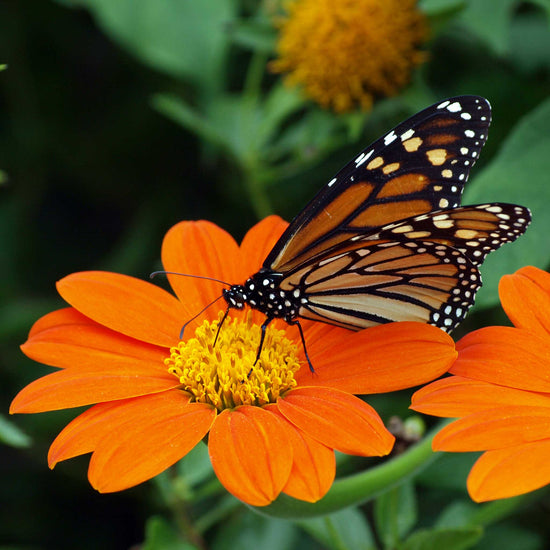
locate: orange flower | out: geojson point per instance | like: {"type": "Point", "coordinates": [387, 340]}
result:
{"type": "Point", "coordinates": [271, 428]}
{"type": "Point", "coordinates": [501, 393]}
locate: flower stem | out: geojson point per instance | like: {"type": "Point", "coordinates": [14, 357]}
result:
{"type": "Point", "coordinates": [180, 509]}
{"type": "Point", "coordinates": [254, 76]}
{"type": "Point", "coordinates": [358, 488]}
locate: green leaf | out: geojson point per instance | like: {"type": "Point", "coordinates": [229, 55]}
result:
{"type": "Point", "coordinates": [180, 112]}
{"type": "Point", "coordinates": [160, 535]}
{"type": "Point", "coordinates": [545, 4]}
{"type": "Point", "coordinates": [441, 12]}
{"type": "Point", "coordinates": [448, 539]}
{"type": "Point", "coordinates": [449, 471]}
{"type": "Point", "coordinates": [280, 102]}
{"type": "Point", "coordinates": [11, 435]}
{"type": "Point", "coordinates": [441, 7]}
{"type": "Point", "coordinates": [183, 38]}
{"type": "Point", "coordinates": [395, 514]}
{"type": "Point", "coordinates": [458, 513]}
{"type": "Point", "coordinates": [195, 466]}
{"type": "Point", "coordinates": [345, 529]}
{"type": "Point", "coordinates": [248, 531]}
{"type": "Point", "coordinates": [512, 537]}
{"type": "Point", "coordinates": [479, 12]}
{"type": "Point", "coordinates": [518, 174]}
{"type": "Point", "coordinates": [530, 56]}
{"type": "Point", "coordinates": [255, 35]}
{"type": "Point", "coordinates": [240, 127]}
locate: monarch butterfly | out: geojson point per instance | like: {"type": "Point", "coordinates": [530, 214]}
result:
{"type": "Point", "coordinates": [386, 240]}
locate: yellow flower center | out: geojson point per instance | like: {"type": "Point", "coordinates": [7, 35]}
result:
{"type": "Point", "coordinates": [345, 54]}
{"type": "Point", "coordinates": [224, 375]}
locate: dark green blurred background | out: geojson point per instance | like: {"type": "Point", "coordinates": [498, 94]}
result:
{"type": "Point", "coordinates": [94, 176]}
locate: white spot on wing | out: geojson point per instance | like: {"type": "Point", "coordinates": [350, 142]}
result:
{"type": "Point", "coordinates": [363, 157]}
{"type": "Point", "coordinates": [389, 138]}
{"type": "Point", "coordinates": [454, 107]}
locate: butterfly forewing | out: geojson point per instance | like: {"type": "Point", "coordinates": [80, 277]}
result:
{"type": "Point", "coordinates": [420, 166]}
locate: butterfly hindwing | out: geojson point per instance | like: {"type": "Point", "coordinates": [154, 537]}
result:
{"type": "Point", "coordinates": [420, 269]}
{"type": "Point", "coordinates": [397, 281]}
{"type": "Point", "coordinates": [473, 230]}
{"type": "Point", "coordinates": [420, 166]}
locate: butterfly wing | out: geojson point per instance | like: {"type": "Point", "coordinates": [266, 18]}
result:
{"type": "Point", "coordinates": [473, 230]}
{"type": "Point", "coordinates": [420, 166]}
{"type": "Point", "coordinates": [422, 269]}
{"type": "Point", "coordinates": [408, 281]}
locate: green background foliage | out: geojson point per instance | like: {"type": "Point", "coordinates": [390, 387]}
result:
{"type": "Point", "coordinates": [119, 118]}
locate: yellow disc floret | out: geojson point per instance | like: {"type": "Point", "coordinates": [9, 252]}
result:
{"type": "Point", "coordinates": [224, 375]}
{"type": "Point", "coordinates": [345, 53]}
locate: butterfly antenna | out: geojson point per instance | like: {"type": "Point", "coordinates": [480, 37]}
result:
{"type": "Point", "coordinates": [199, 314]}
{"type": "Point", "coordinates": [155, 273]}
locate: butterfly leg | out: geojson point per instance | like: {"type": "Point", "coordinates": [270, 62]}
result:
{"type": "Point", "coordinates": [297, 323]}
{"type": "Point", "coordinates": [262, 338]}
{"type": "Point", "coordinates": [220, 326]}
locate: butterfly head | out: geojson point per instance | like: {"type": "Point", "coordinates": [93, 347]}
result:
{"type": "Point", "coordinates": [235, 296]}
{"type": "Point", "coordinates": [263, 293]}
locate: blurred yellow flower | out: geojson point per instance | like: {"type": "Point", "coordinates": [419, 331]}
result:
{"type": "Point", "coordinates": [345, 53]}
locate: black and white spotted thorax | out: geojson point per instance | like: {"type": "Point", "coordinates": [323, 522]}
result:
{"type": "Point", "coordinates": [262, 292]}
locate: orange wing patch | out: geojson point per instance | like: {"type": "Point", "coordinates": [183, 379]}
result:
{"type": "Point", "coordinates": [437, 157]}
{"type": "Point", "coordinates": [299, 250]}
{"type": "Point", "coordinates": [383, 214]}
{"type": "Point", "coordinates": [405, 185]}
{"type": "Point", "coordinates": [411, 145]}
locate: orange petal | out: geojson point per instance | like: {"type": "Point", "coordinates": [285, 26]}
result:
{"type": "Point", "coordinates": [382, 359]}
{"type": "Point", "coordinates": [69, 388]}
{"type": "Point", "coordinates": [506, 356]}
{"type": "Point", "coordinates": [250, 452]}
{"type": "Point", "coordinates": [455, 396]}
{"type": "Point", "coordinates": [125, 304]}
{"type": "Point", "coordinates": [200, 248]}
{"type": "Point", "coordinates": [509, 472]}
{"type": "Point", "coordinates": [525, 296]}
{"type": "Point", "coordinates": [495, 429]}
{"type": "Point", "coordinates": [82, 434]}
{"type": "Point", "coordinates": [147, 437]}
{"type": "Point", "coordinates": [321, 337]}
{"type": "Point", "coordinates": [313, 467]}
{"type": "Point", "coordinates": [259, 241]}
{"type": "Point", "coordinates": [68, 339]}
{"type": "Point", "coordinates": [59, 317]}
{"type": "Point", "coordinates": [338, 420]}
